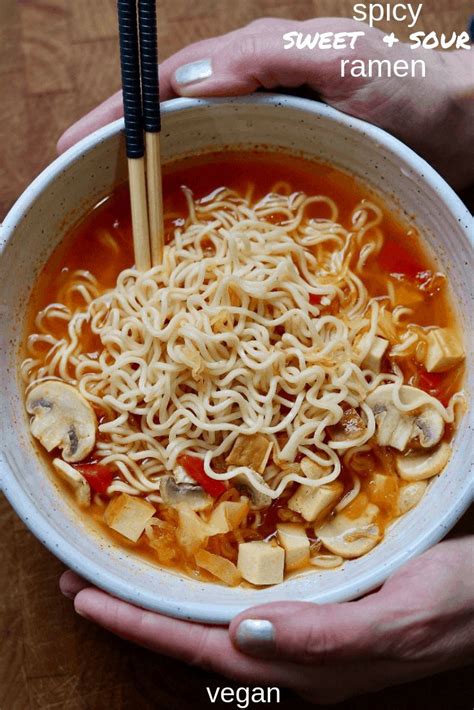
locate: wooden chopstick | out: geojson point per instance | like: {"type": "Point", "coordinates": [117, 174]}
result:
{"type": "Point", "coordinates": [140, 221]}
{"type": "Point", "coordinates": [140, 83]}
{"type": "Point", "coordinates": [132, 109]}
{"type": "Point", "coordinates": [152, 123]}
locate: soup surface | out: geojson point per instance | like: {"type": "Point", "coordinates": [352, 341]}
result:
{"type": "Point", "coordinates": [272, 397]}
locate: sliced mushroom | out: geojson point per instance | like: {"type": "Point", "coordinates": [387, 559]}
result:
{"type": "Point", "coordinates": [82, 490]}
{"type": "Point", "coordinates": [258, 500]}
{"type": "Point", "coordinates": [410, 495]}
{"type": "Point", "coordinates": [397, 428]}
{"type": "Point", "coordinates": [350, 426]}
{"type": "Point", "coordinates": [419, 466]}
{"type": "Point", "coordinates": [62, 418]}
{"type": "Point", "coordinates": [173, 494]}
{"type": "Point", "coordinates": [430, 424]}
{"type": "Point", "coordinates": [351, 537]}
{"type": "Point", "coordinates": [181, 476]}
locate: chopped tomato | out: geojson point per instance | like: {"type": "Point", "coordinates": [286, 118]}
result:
{"type": "Point", "coordinates": [98, 476]}
{"type": "Point", "coordinates": [431, 380]}
{"type": "Point", "coordinates": [194, 467]}
{"type": "Point", "coordinates": [314, 299]}
{"type": "Point", "coordinates": [433, 383]}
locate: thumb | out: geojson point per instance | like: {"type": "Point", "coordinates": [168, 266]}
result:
{"type": "Point", "coordinates": [253, 58]}
{"type": "Point", "coordinates": [306, 633]}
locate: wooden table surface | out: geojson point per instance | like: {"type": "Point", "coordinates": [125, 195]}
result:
{"type": "Point", "coordinates": [57, 60]}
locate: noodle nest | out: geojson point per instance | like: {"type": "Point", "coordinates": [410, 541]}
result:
{"type": "Point", "coordinates": [252, 324]}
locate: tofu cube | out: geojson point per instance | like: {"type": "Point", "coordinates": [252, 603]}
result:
{"type": "Point", "coordinates": [128, 515]}
{"type": "Point", "coordinates": [311, 469]}
{"type": "Point", "coordinates": [444, 350]}
{"type": "Point", "coordinates": [373, 359]}
{"type": "Point", "coordinates": [261, 562]}
{"type": "Point", "coordinates": [251, 450]}
{"type": "Point", "coordinates": [384, 490]}
{"type": "Point", "coordinates": [292, 537]}
{"type": "Point", "coordinates": [310, 502]}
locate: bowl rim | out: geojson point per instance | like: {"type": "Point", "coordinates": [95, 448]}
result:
{"type": "Point", "coordinates": [88, 143]}
{"type": "Point", "coordinates": [89, 567]}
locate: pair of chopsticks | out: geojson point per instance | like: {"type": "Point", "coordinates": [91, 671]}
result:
{"type": "Point", "coordinates": [141, 104]}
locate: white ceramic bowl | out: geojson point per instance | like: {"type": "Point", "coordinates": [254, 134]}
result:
{"type": "Point", "coordinates": [88, 171]}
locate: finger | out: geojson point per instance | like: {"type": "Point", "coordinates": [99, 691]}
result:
{"type": "Point", "coordinates": [214, 46]}
{"type": "Point", "coordinates": [309, 633]}
{"type": "Point", "coordinates": [112, 108]}
{"type": "Point", "coordinates": [211, 648]}
{"type": "Point", "coordinates": [71, 584]}
{"type": "Point", "coordinates": [240, 62]}
{"type": "Point", "coordinates": [105, 113]}
{"type": "Point", "coordinates": [197, 644]}
{"type": "Point", "coordinates": [255, 57]}
{"type": "Point", "coordinates": [109, 110]}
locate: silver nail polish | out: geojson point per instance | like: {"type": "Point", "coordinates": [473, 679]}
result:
{"type": "Point", "coordinates": [193, 72]}
{"type": "Point", "coordinates": [256, 637]}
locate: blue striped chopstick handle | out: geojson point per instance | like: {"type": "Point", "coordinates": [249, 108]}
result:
{"type": "Point", "coordinates": [130, 68]}
{"type": "Point", "coordinates": [149, 65]}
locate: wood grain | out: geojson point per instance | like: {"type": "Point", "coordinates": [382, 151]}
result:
{"type": "Point", "coordinates": [58, 59]}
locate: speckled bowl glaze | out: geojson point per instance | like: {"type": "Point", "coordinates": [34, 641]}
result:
{"type": "Point", "coordinates": [87, 172]}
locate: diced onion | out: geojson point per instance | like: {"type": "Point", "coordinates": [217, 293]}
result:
{"type": "Point", "coordinates": [220, 567]}
{"type": "Point", "coordinates": [326, 561]}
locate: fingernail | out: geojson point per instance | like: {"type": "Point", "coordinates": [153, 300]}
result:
{"type": "Point", "coordinates": [68, 593]}
{"type": "Point", "coordinates": [256, 637]}
{"type": "Point", "coordinates": [70, 584]}
{"type": "Point", "coordinates": [67, 587]}
{"type": "Point", "coordinates": [193, 72]}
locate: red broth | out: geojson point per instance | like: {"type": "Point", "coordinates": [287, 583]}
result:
{"type": "Point", "coordinates": [403, 258]}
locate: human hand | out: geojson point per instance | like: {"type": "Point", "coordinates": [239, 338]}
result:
{"type": "Point", "coordinates": [419, 623]}
{"type": "Point", "coordinates": [434, 115]}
